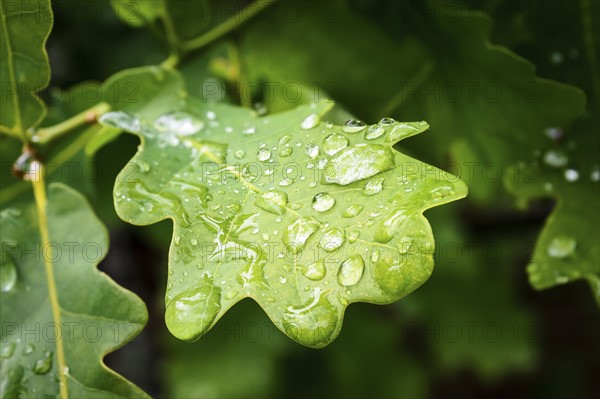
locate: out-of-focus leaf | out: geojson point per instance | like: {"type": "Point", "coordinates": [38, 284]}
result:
{"type": "Point", "coordinates": [304, 217]}
{"type": "Point", "coordinates": [95, 316]}
{"type": "Point", "coordinates": [489, 95]}
{"type": "Point", "coordinates": [24, 66]}
{"type": "Point", "coordinates": [494, 335]}
{"type": "Point", "coordinates": [329, 49]}
{"type": "Point", "coordinates": [567, 169]}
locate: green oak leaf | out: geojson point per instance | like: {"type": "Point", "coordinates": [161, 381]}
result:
{"type": "Point", "coordinates": [96, 315]}
{"type": "Point", "coordinates": [24, 66]}
{"type": "Point", "coordinates": [567, 170]}
{"type": "Point", "coordinates": [302, 216]}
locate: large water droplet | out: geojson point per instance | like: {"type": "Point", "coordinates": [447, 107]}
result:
{"type": "Point", "coordinates": [352, 210]}
{"type": "Point", "coordinates": [43, 365]}
{"type": "Point", "coordinates": [391, 226]}
{"type": "Point", "coordinates": [273, 201]}
{"type": "Point", "coordinates": [374, 131]}
{"type": "Point", "coordinates": [263, 155]}
{"type": "Point", "coordinates": [351, 271]}
{"type": "Point", "coordinates": [310, 121]}
{"type": "Point", "coordinates": [192, 312]}
{"type": "Point", "coordinates": [358, 162]}
{"type": "Point", "coordinates": [299, 232]}
{"type": "Point", "coordinates": [373, 187]}
{"type": "Point", "coordinates": [354, 126]}
{"type": "Point", "coordinates": [312, 150]}
{"type": "Point", "coordinates": [323, 202]}
{"type": "Point", "coordinates": [121, 120]}
{"type": "Point", "coordinates": [387, 121]}
{"type": "Point", "coordinates": [8, 275]}
{"type": "Point", "coordinates": [313, 324]}
{"type": "Point", "coordinates": [179, 122]}
{"type": "Point", "coordinates": [403, 130]}
{"type": "Point", "coordinates": [332, 239]}
{"type": "Point", "coordinates": [334, 143]}
{"type": "Point", "coordinates": [556, 158]}
{"type": "Point", "coordinates": [561, 246]}
{"type": "Point", "coordinates": [315, 272]}
{"type": "Point", "coordinates": [7, 350]}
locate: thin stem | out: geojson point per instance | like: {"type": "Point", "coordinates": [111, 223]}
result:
{"type": "Point", "coordinates": [238, 19]}
{"type": "Point", "coordinates": [39, 191]}
{"type": "Point", "coordinates": [170, 33]}
{"type": "Point", "coordinates": [234, 58]}
{"type": "Point", "coordinates": [90, 115]}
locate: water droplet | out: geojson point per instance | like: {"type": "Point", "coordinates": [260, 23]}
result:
{"type": "Point", "coordinates": [249, 130]}
{"type": "Point", "coordinates": [375, 256]}
{"type": "Point", "coordinates": [7, 350]}
{"type": "Point", "coordinates": [179, 122]}
{"type": "Point", "coordinates": [298, 233]}
{"type": "Point", "coordinates": [332, 239]}
{"type": "Point", "coordinates": [554, 133]}
{"type": "Point", "coordinates": [571, 175]}
{"type": "Point", "coordinates": [391, 226]}
{"type": "Point", "coordinates": [387, 121]}
{"type": "Point", "coordinates": [310, 121]}
{"type": "Point", "coordinates": [374, 131]}
{"type": "Point", "coordinates": [143, 166]}
{"type": "Point", "coordinates": [561, 246]}
{"type": "Point", "coordinates": [121, 120]}
{"type": "Point", "coordinates": [315, 272]}
{"type": "Point", "coordinates": [8, 275]}
{"type": "Point", "coordinates": [351, 271]}
{"type": "Point", "coordinates": [43, 365]}
{"type": "Point", "coordinates": [403, 130]}
{"type": "Point", "coordinates": [313, 324]}
{"type": "Point", "coordinates": [28, 349]}
{"type": "Point", "coordinates": [177, 240]}
{"type": "Point", "coordinates": [272, 201]}
{"type": "Point", "coordinates": [354, 126]}
{"type": "Point", "coordinates": [282, 280]}
{"type": "Point", "coordinates": [334, 143]}
{"type": "Point", "coordinates": [556, 158]}
{"type": "Point", "coordinates": [286, 152]}
{"type": "Point", "coordinates": [373, 187]}
{"type": "Point", "coordinates": [192, 312]}
{"type": "Point", "coordinates": [595, 175]}
{"type": "Point", "coordinates": [260, 108]}
{"type": "Point", "coordinates": [353, 235]}
{"type": "Point", "coordinates": [556, 57]}
{"type": "Point", "coordinates": [263, 155]}
{"type": "Point", "coordinates": [239, 154]}
{"type": "Point", "coordinates": [193, 241]}
{"type": "Point", "coordinates": [323, 202]}
{"type": "Point", "coordinates": [286, 181]}
{"type": "Point", "coordinates": [352, 210]}
{"type": "Point", "coordinates": [312, 150]}
{"type": "Point", "coordinates": [357, 163]}
{"type": "Point", "coordinates": [442, 192]}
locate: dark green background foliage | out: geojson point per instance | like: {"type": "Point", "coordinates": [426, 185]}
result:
{"type": "Point", "coordinates": [508, 86]}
